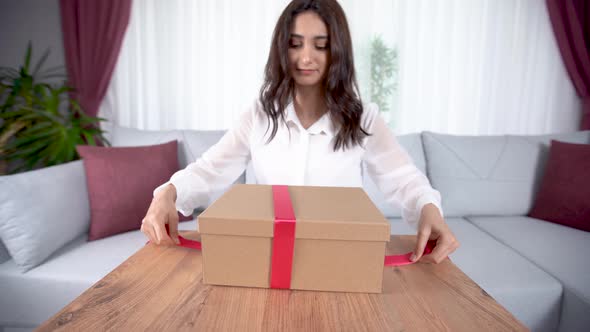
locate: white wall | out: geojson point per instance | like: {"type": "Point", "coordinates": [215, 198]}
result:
{"type": "Point", "coordinates": [35, 20]}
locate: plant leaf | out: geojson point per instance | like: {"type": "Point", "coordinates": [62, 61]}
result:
{"type": "Point", "coordinates": [89, 139]}
{"type": "Point", "coordinates": [40, 63]}
{"type": "Point", "coordinates": [46, 134]}
{"type": "Point", "coordinates": [29, 150]}
{"type": "Point", "coordinates": [25, 69]}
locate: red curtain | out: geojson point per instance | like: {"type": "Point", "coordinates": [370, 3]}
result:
{"type": "Point", "coordinates": [93, 32]}
{"type": "Point", "coordinates": [571, 25]}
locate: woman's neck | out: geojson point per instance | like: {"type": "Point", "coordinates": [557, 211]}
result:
{"type": "Point", "coordinates": [310, 105]}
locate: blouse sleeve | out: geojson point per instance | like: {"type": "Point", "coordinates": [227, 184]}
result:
{"type": "Point", "coordinates": [216, 169]}
{"type": "Point", "coordinates": [394, 172]}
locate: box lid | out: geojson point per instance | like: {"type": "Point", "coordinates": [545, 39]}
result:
{"type": "Point", "coordinates": [335, 213]}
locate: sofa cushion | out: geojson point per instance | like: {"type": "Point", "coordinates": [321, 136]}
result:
{"type": "Point", "coordinates": [574, 313]}
{"type": "Point", "coordinates": [564, 194]}
{"type": "Point", "coordinates": [528, 292]}
{"type": "Point", "coordinates": [31, 298]}
{"type": "Point", "coordinates": [120, 183]}
{"type": "Point", "coordinates": [42, 210]}
{"type": "Point", "coordinates": [488, 175]}
{"type": "Point", "coordinates": [559, 250]}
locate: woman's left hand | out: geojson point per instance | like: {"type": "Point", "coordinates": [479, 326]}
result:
{"type": "Point", "coordinates": [432, 226]}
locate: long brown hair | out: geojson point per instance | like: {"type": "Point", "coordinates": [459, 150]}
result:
{"type": "Point", "coordinates": [340, 85]}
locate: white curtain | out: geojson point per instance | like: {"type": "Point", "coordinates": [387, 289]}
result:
{"type": "Point", "coordinates": [464, 66]}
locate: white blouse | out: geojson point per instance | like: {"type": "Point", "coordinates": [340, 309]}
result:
{"type": "Point", "coordinates": [299, 156]}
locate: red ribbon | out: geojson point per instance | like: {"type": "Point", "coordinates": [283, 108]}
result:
{"type": "Point", "coordinates": [398, 260]}
{"type": "Point", "coordinates": [284, 241]}
{"type": "Point", "coordinates": [184, 242]}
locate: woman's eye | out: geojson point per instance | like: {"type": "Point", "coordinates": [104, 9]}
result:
{"type": "Point", "coordinates": [299, 45]}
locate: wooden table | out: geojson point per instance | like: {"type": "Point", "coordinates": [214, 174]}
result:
{"type": "Point", "coordinates": [161, 289]}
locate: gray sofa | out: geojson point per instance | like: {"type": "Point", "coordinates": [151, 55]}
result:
{"type": "Point", "coordinates": [538, 270]}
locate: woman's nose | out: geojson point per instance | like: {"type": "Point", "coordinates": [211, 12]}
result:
{"type": "Point", "coordinates": [306, 55]}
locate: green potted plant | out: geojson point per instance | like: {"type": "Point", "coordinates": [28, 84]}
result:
{"type": "Point", "coordinates": [383, 69]}
{"type": "Point", "coordinates": [40, 124]}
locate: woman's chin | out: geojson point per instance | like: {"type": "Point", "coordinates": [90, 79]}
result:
{"type": "Point", "coordinates": [307, 82]}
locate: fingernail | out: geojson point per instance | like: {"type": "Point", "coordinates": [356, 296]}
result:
{"type": "Point", "coordinates": [413, 258]}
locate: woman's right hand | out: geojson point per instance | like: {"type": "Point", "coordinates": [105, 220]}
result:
{"type": "Point", "coordinates": [162, 211]}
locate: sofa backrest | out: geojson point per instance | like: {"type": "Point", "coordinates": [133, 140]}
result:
{"type": "Point", "coordinates": [489, 175]}
{"type": "Point", "coordinates": [476, 175]}
{"type": "Point", "coordinates": [191, 143]}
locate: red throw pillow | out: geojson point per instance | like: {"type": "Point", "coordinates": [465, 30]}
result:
{"type": "Point", "coordinates": [121, 181]}
{"type": "Point", "coordinates": [564, 195]}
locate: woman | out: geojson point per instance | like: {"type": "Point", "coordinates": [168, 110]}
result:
{"type": "Point", "coordinates": [308, 127]}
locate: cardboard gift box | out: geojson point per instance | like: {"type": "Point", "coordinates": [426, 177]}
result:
{"type": "Point", "coordinates": [297, 237]}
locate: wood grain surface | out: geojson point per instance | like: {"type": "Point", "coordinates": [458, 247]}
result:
{"type": "Point", "coordinates": [161, 289]}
